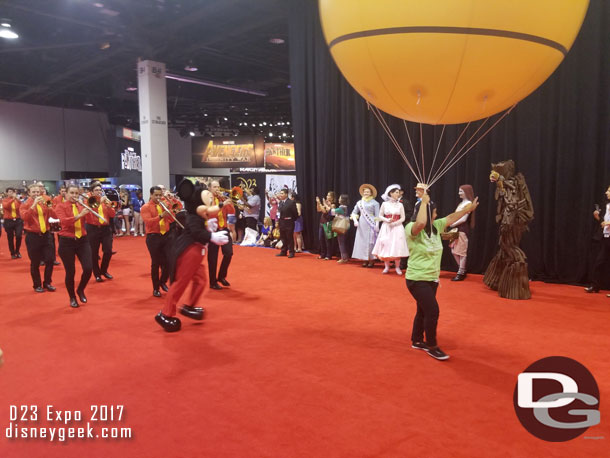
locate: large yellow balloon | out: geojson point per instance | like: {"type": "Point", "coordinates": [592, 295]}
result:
{"type": "Point", "coordinates": [449, 61]}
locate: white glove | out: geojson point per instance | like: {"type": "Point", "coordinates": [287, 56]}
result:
{"type": "Point", "coordinates": [220, 238]}
{"type": "Point", "coordinates": [212, 224]}
{"type": "Point", "coordinates": [53, 220]}
{"type": "Point", "coordinates": [355, 223]}
{"type": "Point", "coordinates": [384, 219]}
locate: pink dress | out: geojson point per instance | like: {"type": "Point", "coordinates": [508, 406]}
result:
{"type": "Point", "coordinates": [391, 242]}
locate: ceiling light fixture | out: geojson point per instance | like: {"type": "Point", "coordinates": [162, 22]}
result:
{"type": "Point", "coordinates": [191, 133]}
{"type": "Point", "coordinates": [277, 41]}
{"type": "Point", "coordinates": [6, 24]}
{"type": "Point", "coordinates": [8, 34]}
{"type": "Point", "coordinates": [131, 88]}
{"type": "Point", "coordinates": [98, 5]}
{"type": "Point", "coordinates": [190, 67]}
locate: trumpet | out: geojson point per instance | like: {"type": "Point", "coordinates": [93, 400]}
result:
{"type": "Point", "coordinates": [171, 213]}
{"type": "Point", "coordinates": [82, 202]}
{"type": "Point", "coordinates": [48, 201]}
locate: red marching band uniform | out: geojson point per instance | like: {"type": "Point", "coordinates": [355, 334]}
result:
{"type": "Point", "coordinates": [73, 243]}
{"type": "Point", "coordinates": [38, 241]}
{"type": "Point", "coordinates": [13, 225]}
{"type": "Point", "coordinates": [100, 233]}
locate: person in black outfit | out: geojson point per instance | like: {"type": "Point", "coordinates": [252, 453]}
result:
{"type": "Point", "coordinates": [603, 256]}
{"type": "Point", "coordinates": [288, 215]}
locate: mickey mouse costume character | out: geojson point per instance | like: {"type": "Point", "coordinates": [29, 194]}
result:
{"type": "Point", "coordinates": [188, 254]}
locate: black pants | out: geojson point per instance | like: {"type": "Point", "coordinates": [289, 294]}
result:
{"type": "Point", "coordinates": [404, 263]}
{"type": "Point", "coordinates": [599, 268]}
{"type": "Point", "coordinates": [252, 223]}
{"type": "Point", "coordinates": [100, 235]}
{"type": "Point", "coordinates": [69, 249]}
{"type": "Point", "coordinates": [287, 235]}
{"type": "Point", "coordinates": [158, 246]}
{"type": "Point", "coordinates": [227, 254]}
{"type": "Point", "coordinates": [14, 231]}
{"type": "Point", "coordinates": [426, 318]}
{"type": "Point", "coordinates": [328, 247]}
{"type": "Point", "coordinates": [40, 249]}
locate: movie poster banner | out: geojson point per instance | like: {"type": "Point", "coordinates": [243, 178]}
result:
{"type": "Point", "coordinates": [227, 152]}
{"type": "Point", "coordinates": [274, 184]}
{"type": "Point", "coordinates": [279, 156]}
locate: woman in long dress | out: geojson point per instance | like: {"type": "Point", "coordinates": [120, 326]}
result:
{"type": "Point", "coordinates": [459, 247]}
{"type": "Point", "coordinates": [363, 215]}
{"type": "Point", "coordinates": [391, 242]}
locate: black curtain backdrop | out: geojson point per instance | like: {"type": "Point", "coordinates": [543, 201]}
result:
{"type": "Point", "coordinates": [558, 137]}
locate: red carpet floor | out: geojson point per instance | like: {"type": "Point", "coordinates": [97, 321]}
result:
{"type": "Point", "coordinates": [299, 358]}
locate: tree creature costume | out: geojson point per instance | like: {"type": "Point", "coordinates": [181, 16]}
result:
{"type": "Point", "coordinates": [507, 271]}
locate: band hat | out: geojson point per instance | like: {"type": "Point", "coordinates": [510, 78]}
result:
{"type": "Point", "coordinates": [421, 186]}
{"type": "Point", "coordinates": [370, 186]}
{"type": "Point", "coordinates": [386, 195]}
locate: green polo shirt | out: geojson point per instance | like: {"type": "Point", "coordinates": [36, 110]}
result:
{"type": "Point", "coordinates": [425, 253]}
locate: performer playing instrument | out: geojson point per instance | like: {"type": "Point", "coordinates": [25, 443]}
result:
{"type": "Point", "coordinates": [100, 232]}
{"type": "Point", "coordinates": [73, 243]}
{"type": "Point", "coordinates": [188, 253]}
{"type": "Point", "coordinates": [219, 224]}
{"type": "Point", "coordinates": [35, 213]}
{"type": "Point", "coordinates": [13, 224]}
{"type": "Point", "coordinates": [157, 222]}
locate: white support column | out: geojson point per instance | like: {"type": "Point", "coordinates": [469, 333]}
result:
{"type": "Point", "coordinates": [152, 94]}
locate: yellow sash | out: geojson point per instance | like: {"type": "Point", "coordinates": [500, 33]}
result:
{"type": "Point", "coordinates": [13, 209]}
{"type": "Point", "coordinates": [77, 226]}
{"type": "Point", "coordinates": [161, 221]}
{"type": "Point", "coordinates": [43, 226]}
{"type": "Point", "coordinates": [100, 211]}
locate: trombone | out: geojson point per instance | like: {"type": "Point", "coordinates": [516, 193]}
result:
{"type": "Point", "coordinates": [171, 213]}
{"type": "Point", "coordinates": [81, 200]}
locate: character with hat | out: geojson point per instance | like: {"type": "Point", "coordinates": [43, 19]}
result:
{"type": "Point", "coordinates": [391, 242]}
{"type": "Point", "coordinates": [364, 214]}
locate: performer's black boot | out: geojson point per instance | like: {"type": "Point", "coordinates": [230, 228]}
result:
{"type": "Point", "coordinates": [170, 324]}
{"type": "Point", "coordinates": [195, 313]}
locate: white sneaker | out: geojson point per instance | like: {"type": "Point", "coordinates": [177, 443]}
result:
{"type": "Point", "coordinates": [385, 271]}
{"type": "Point", "coordinates": [398, 271]}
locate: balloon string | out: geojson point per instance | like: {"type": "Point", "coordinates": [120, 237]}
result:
{"type": "Point", "coordinates": [412, 149]}
{"type": "Point", "coordinates": [387, 130]}
{"type": "Point", "coordinates": [457, 159]}
{"type": "Point", "coordinates": [436, 153]}
{"type": "Point", "coordinates": [448, 155]}
{"type": "Point", "coordinates": [421, 148]}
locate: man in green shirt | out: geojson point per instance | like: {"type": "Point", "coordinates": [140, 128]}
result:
{"type": "Point", "coordinates": [425, 251]}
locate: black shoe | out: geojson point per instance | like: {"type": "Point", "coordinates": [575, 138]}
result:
{"type": "Point", "coordinates": [39, 289]}
{"type": "Point", "coordinates": [81, 296]}
{"type": "Point", "coordinates": [291, 255]}
{"type": "Point", "coordinates": [13, 256]}
{"type": "Point", "coordinates": [49, 287]}
{"type": "Point", "coordinates": [420, 346]}
{"type": "Point", "coordinates": [170, 324]}
{"type": "Point", "coordinates": [113, 252]}
{"type": "Point", "coordinates": [156, 293]}
{"type": "Point", "coordinates": [73, 303]}
{"type": "Point", "coordinates": [164, 287]}
{"type": "Point", "coordinates": [107, 275]}
{"type": "Point", "coordinates": [56, 263]}
{"type": "Point", "coordinates": [99, 279]}
{"type": "Point", "coordinates": [195, 313]}
{"type": "Point", "coordinates": [459, 277]}
{"type": "Point", "coordinates": [437, 353]}
{"type": "Point", "coordinates": [18, 255]}
{"type": "Point", "coordinates": [41, 263]}
{"type": "Point", "coordinates": [215, 286]}
{"type": "Point", "coordinates": [592, 289]}
{"type": "Point", "coordinates": [224, 282]}
{"type": "Point", "coordinates": [365, 264]}
{"type": "Point", "coordinates": [280, 254]}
